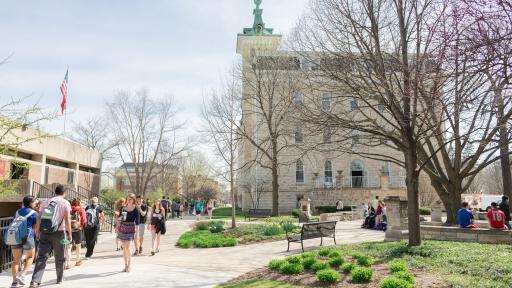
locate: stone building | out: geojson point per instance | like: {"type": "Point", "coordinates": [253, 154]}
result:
{"type": "Point", "coordinates": [323, 175]}
{"type": "Point", "coordinates": [162, 179]}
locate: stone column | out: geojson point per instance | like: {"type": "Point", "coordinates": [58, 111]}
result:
{"type": "Point", "coordinates": [396, 215]}
{"type": "Point", "coordinates": [305, 206]}
{"type": "Point", "coordinates": [437, 211]}
{"type": "Point", "coordinates": [384, 181]}
{"type": "Point", "coordinates": [339, 179]}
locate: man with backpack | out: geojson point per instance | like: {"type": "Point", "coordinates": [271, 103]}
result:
{"type": "Point", "coordinates": [53, 228]}
{"type": "Point", "coordinates": [93, 216]}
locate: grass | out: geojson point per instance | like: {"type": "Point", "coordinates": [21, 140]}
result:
{"type": "Point", "coordinates": [204, 239]}
{"type": "Point", "coordinates": [255, 283]}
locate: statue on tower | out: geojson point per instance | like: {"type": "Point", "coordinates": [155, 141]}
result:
{"type": "Point", "coordinates": [258, 3]}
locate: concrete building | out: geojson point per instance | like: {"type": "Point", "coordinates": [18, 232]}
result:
{"type": "Point", "coordinates": [165, 180]}
{"type": "Point", "coordinates": [35, 166]}
{"type": "Point", "coordinates": [322, 175]}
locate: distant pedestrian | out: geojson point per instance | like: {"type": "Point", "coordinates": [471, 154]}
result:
{"type": "Point", "coordinates": [118, 207]}
{"type": "Point", "coordinates": [52, 224]}
{"type": "Point", "coordinates": [94, 215]}
{"type": "Point", "coordinates": [143, 209]}
{"type": "Point", "coordinates": [78, 219]}
{"type": "Point", "coordinates": [339, 206]}
{"type": "Point", "coordinates": [165, 205]}
{"type": "Point", "coordinates": [25, 218]}
{"type": "Point", "coordinates": [198, 206]}
{"type": "Point", "coordinates": [157, 226]}
{"type": "Point", "coordinates": [181, 208]}
{"type": "Point", "coordinates": [504, 206]}
{"type": "Point", "coordinates": [209, 208]}
{"type": "Point", "coordinates": [130, 218]}
{"type": "Point", "coordinates": [191, 208]}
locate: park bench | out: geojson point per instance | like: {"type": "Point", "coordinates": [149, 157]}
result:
{"type": "Point", "coordinates": [312, 231]}
{"type": "Point", "coordinates": [258, 213]}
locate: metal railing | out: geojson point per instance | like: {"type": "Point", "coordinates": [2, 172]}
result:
{"type": "Point", "coordinates": [362, 182]}
{"type": "Point", "coordinates": [325, 183]}
{"type": "Point", "coordinates": [40, 191]}
{"type": "Point", "coordinates": [396, 181]}
{"type": "Point", "coordinates": [5, 251]}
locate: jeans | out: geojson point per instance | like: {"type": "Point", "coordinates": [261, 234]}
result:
{"type": "Point", "coordinates": [47, 242]}
{"type": "Point", "coordinates": [91, 237]}
{"type": "Point", "coordinates": [507, 223]}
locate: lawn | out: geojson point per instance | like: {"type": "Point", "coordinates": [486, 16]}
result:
{"type": "Point", "coordinates": [224, 213]}
{"type": "Point", "coordinates": [210, 234]}
{"type": "Point", "coordinates": [393, 264]}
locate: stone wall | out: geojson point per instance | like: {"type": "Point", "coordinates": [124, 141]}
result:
{"type": "Point", "coordinates": [466, 235]}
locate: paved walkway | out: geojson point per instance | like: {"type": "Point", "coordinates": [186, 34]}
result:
{"type": "Point", "coordinates": [176, 267]}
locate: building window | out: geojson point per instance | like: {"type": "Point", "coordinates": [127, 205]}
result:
{"type": "Point", "coordinates": [310, 64]}
{"type": "Point", "coordinates": [298, 99]}
{"type": "Point", "coordinates": [299, 137]}
{"type": "Point", "coordinates": [385, 167]}
{"type": "Point", "coordinates": [327, 135]}
{"type": "Point", "coordinates": [328, 173]}
{"type": "Point", "coordinates": [358, 177]}
{"type": "Point", "coordinates": [299, 171]}
{"type": "Point", "coordinates": [71, 177]}
{"type": "Point", "coordinates": [326, 102]}
{"type": "Point", "coordinates": [353, 104]}
{"type": "Point", "coordinates": [355, 137]}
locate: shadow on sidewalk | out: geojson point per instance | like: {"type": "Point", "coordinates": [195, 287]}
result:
{"type": "Point", "coordinates": [81, 276]}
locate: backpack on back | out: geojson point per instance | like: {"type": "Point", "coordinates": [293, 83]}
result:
{"type": "Point", "coordinates": [91, 215]}
{"type": "Point", "coordinates": [75, 221]}
{"type": "Point", "coordinates": [17, 232]}
{"type": "Point", "coordinates": [49, 221]}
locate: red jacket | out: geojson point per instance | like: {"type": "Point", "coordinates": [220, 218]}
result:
{"type": "Point", "coordinates": [82, 214]}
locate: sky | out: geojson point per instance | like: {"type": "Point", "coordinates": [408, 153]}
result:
{"type": "Point", "coordinates": [171, 47]}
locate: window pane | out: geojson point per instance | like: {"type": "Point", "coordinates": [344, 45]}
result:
{"type": "Point", "coordinates": [298, 135]}
{"type": "Point", "coordinates": [326, 101]}
{"type": "Point", "coordinates": [353, 104]}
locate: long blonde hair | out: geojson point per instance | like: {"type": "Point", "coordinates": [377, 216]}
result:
{"type": "Point", "coordinates": [133, 197]}
{"type": "Point", "coordinates": [119, 204]}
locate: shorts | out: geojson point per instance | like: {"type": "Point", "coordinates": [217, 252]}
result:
{"type": "Point", "coordinates": [198, 212]}
{"type": "Point", "coordinates": [142, 227]}
{"type": "Point", "coordinates": [29, 245]}
{"type": "Point", "coordinates": [77, 237]}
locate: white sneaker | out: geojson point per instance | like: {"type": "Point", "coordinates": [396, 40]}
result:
{"type": "Point", "coordinates": [21, 279]}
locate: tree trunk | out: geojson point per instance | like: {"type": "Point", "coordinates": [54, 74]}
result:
{"type": "Point", "coordinates": [451, 202]}
{"type": "Point", "coordinates": [233, 200]}
{"type": "Point", "coordinates": [412, 181]}
{"type": "Point", "coordinates": [275, 191]}
{"type": "Point", "coordinates": [505, 160]}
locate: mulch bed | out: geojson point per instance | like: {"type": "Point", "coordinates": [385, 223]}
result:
{"type": "Point", "coordinates": [308, 278]}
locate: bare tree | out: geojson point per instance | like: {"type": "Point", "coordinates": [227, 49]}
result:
{"type": "Point", "coordinates": [193, 168]}
{"type": "Point", "coordinates": [254, 185]}
{"type": "Point", "coordinates": [220, 113]}
{"type": "Point", "coordinates": [94, 133]}
{"type": "Point", "coordinates": [144, 129]}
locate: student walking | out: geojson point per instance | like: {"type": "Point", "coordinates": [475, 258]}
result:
{"type": "Point", "coordinates": [198, 205]}
{"type": "Point", "coordinates": [94, 215]}
{"type": "Point", "coordinates": [130, 218]}
{"type": "Point", "coordinates": [77, 224]}
{"type": "Point", "coordinates": [210, 209]}
{"type": "Point", "coordinates": [22, 226]}
{"type": "Point", "coordinates": [52, 224]}
{"type": "Point", "coordinates": [118, 207]}
{"type": "Point", "coordinates": [157, 226]}
{"type": "Point", "coordinates": [143, 209]}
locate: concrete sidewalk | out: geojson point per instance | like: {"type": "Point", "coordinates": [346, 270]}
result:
{"type": "Point", "coordinates": [176, 267]}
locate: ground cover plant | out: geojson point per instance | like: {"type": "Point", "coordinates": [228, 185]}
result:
{"type": "Point", "coordinates": [394, 264]}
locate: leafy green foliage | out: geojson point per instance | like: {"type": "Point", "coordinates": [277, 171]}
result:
{"type": "Point", "coordinates": [272, 230]}
{"type": "Point", "coordinates": [294, 259]}
{"type": "Point", "coordinates": [357, 255]}
{"type": "Point", "coordinates": [308, 254]}
{"type": "Point", "coordinates": [257, 283]}
{"type": "Point", "coordinates": [397, 266]}
{"type": "Point", "coordinates": [394, 282]}
{"type": "Point", "coordinates": [204, 239]}
{"type": "Point", "coordinates": [328, 276]}
{"type": "Point", "coordinates": [291, 268]}
{"type": "Point", "coordinates": [110, 196]}
{"type": "Point", "coordinates": [365, 261]}
{"type": "Point", "coordinates": [289, 227]}
{"type": "Point", "coordinates": [335, 254]}
{"type": "Point", "coordinates": [225, 212]}
{"type": "Point", "coordinates": [324, 252]}
{"type": "Point", "coordinates": [309, 262]}
{"type": "Point", "coordinates": [336, 261]}
{"type": "Point", "coordinates": [276, 264]}
{"type": "Point", "coordinates": [348, 267]}
{"type": "Point", "coordinates": [405, 275]}
{"type": "Point", "coordinates": [319, 266]}
{"type": "Point", "coordinates": [425, 211]}
{"type": "Point", "coordinates": [212, 226]}
{"type": "Point", "coordinates": [361, 275]}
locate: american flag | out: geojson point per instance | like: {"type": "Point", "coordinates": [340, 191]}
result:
{"type": "Point", "coordinates": [64, 91]}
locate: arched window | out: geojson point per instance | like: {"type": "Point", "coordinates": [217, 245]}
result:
{"type": "Point", "coordinates": [353, 104]}
{"type": "Point", "coordinates": [328, 172]}
{"type": "Point", "coordinates": [327, 135]}
{"type": "Point", "coordinates": [326, 102]}
{"type": "Point", "coordinates": [298, 99]}
{"type": "Point", "coordinates": [299, 171]}
{"type": "Point", "coordinates": [299, 137]}
{"type": "Point", "coordinates": [355, 137]}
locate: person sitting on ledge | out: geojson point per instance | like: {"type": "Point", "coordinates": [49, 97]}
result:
{"type": "Point", "coordinates": [496, 218]}
{"type": "Point", "coordinates": [466, 218]}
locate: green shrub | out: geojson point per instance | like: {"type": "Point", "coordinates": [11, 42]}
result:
{"type": "Point", "coordinates": [324, 252]}
{"type": "Point", "coordinates": [205, 239]}
{"type": "Point", "coordinates": [291, 268]}
{"type": "Point", "coordinates": [365, 261]}
{"type": "Point", "coordinates": [328, 276]}
{"type": "Point", "coordinates": [307, 254]}
{"type": "Point", "coordinates": [357, 255]}
{"type": "Point", "coordinates": [276, 264]}
{"type": "Point", "coordinates": [216, 226]}
{"type": "Point", "coordinates": [335, 254]}
{"type": "Point", "coordinates": [295, 212]}
{"type": "Point", "coordinates": [397, 266]}
{"type": "Point", "coordinates": [226, 212]}
{"type": "Point", "coordinates": [272, 230]}
{"type": "Point", "coordinates": [319, 266]}
{"type": "Point", "coordinates": [308, 262]}
{"type": "Point", "coordinates": [288, 227]}
{"type": "Point", "coordinates": [361, 275]}
{"type": "Point", "coordinates": [294, 259]}
{"type": "Point", "coordinates": [330, 209]}
{"type": "Point", "coordinates": [405, 275]}
{"type": "Point", "coordinates": [202, 226]}
{"type": "Point", "coordinates": [393, 282]}
{"type": "Point", "coordinates": [348, 267]}
{"type": "Point", "coordinates": [336, 261]}
{"type": "Point", "coordinates": [425, 211]}
{"type": "Point", "coordinates": [423, 251]}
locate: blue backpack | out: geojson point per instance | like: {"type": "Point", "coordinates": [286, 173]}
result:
{"type": "Point", "coordinates": [17, 232]}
